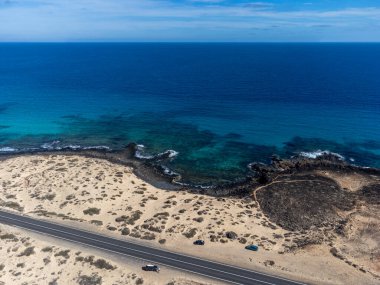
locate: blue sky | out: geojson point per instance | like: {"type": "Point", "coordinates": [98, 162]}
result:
{"type": "Point", "coordinates": [190, 20]}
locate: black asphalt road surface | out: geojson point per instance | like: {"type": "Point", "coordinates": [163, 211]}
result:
{"type": "Point", "coordinates": [214, 270]}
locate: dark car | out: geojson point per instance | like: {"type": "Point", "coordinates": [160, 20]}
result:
{"type": "Point", "coordinates": [199, 242]}
{"type": "Point", "coordinates": [252, 247]}
{"type": "Point", "coordinates": [150, 267]}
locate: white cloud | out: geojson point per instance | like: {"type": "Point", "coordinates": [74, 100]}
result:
{"type": "Point", "coordinates": [67, 19]}
{"type": "Point", "coordinates": [258, 5]}
{"type": "Point", "coordinates": [206, 1]}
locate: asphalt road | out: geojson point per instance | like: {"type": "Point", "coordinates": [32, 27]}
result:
{"type": "Point", "coordinates": [218, 271]}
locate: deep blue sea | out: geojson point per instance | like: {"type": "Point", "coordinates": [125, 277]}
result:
{"type": "Point", "coordinates": [220, 106]}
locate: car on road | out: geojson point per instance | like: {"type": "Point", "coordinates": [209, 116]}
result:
{"type": "Point", "coordinates": [252, 247]}
{"type": "Point", "coordinates": [199, 242]}
{"type": "Point", "coordinates": [151, 267]}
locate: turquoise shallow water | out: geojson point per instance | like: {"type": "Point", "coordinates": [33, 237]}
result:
{"type": "Point", "coordinates": [220, 106]}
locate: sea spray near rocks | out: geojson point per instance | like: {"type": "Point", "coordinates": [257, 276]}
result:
{"type": "Point", "coordinates": [320, 153]}
{"type": "Point", "coordinates": [53, 146]}
{"type": "Point", "coordinates": [139, 153]}
{"type": "Point", "coordinates": [8, 149]}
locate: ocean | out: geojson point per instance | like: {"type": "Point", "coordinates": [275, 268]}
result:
{"type": "Point", "coordinates": [217, 106]}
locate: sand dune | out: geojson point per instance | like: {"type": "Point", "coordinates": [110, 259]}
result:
{"type": "Point", "coordinates": [109, 198]}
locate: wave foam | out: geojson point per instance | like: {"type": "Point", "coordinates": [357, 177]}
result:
{"type": "Point", "coordinates": [162, 155]}
{"type": "Point", "coordinates": [168, 171]}
{"type": "Point", "coordinates": [8, 149]}
{"type": "Point", "coordinates": [319, 153]}
{"type": "Point", "coordinates": [97, 147]}
{"type": "Point", "coordinates": [170, 153]}
{"type": "Point", "coordinates": [50, 145]}
{"type": "Point", "coordinates": [139, 152]}
{"type": "Point", "coordinates": [53, 146]}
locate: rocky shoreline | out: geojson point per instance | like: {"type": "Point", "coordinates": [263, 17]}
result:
{"type": "Point", "coordinates": [152, 171]}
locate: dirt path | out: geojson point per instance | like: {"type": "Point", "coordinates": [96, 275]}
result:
{"type": "Point", "coordinates": [276, 182]}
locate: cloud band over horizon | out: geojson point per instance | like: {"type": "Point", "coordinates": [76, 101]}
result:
{"type": "Point", "coordinates": [189, 20]}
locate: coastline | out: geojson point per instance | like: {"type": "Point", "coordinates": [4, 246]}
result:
{"type": "Point", "coordinates": [123, 157]}
{"type": "Point", "coordinates": [149, 169]}
{"type": "Point", "coordinates": [63, 186]}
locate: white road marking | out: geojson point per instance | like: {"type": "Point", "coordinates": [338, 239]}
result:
{"type": "Point", "coordinates": [168, 258]}
{"type": "Point", "coordinates": [177, 253]}
{"type": "Point", "coordinates": [99, 241]}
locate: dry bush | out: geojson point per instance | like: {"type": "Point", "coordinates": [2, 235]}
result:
{"type": "Point", "coordinates": [27, 252]}
{"type": "Point", "coordinates": [91, 211]}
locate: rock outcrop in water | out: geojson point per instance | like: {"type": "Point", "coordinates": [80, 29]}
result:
{"type": "Point", "coordinates": [298, 164]}
{"type": "Point", "coordinates": [263, 174]}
